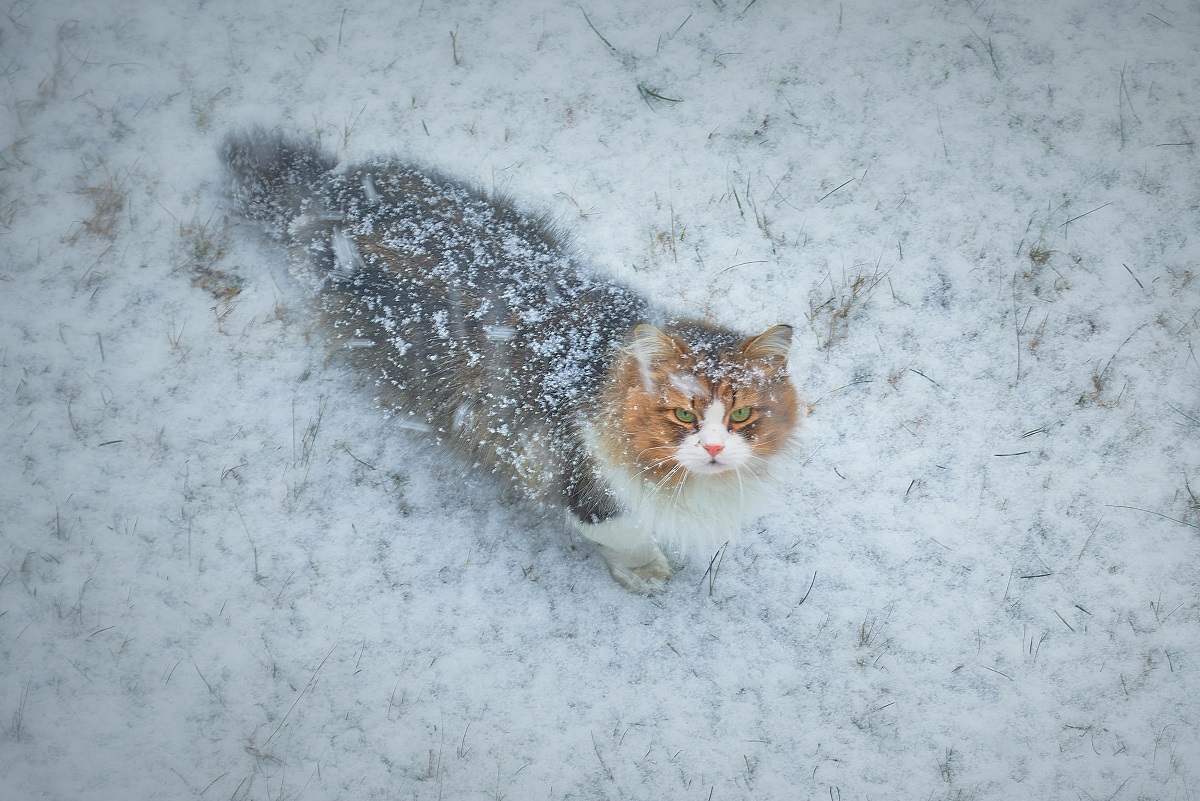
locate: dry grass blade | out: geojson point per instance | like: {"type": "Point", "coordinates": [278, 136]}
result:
{"type": "Point", "coordinates": [805, 596]}
{"type": "Point", "coordinates": [714, 567]}
{"type": "Point", "coordinates": [311, 680]}
{"type": "Point", "coordinates": [607, 43]}
{"type": "Point", "coordinates": [18, 716]}
{"type": "Point", "coordinates": [831, 319]}
{"type": "Point", "coordinates": [607, 770]}
{"type": "Point", "coordinates": [649, 94]}
{"type": "Point", "coordinates": [108, 199]}
{"type": "Point", "coordinates": [1159, 514]}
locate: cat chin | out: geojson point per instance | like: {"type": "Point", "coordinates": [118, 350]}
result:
{"type": "Point", "coordinates": [699, 514]}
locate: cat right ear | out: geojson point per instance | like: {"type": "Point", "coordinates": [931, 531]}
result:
{"type": "Point", "coordinates": [650, 345]}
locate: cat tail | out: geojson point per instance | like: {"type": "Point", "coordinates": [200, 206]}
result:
{"type": "Point", "coordinates": [270, 177]}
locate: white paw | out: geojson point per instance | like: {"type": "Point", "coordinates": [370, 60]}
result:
{"type": "Point", "coordinates": [643, 579]}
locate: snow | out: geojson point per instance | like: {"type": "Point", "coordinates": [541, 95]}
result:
{"type": "Point", "coordinates": [224, 574]}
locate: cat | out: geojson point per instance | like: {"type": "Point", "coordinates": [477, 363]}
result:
{"type": "Point", "coordinates": [479, 325]}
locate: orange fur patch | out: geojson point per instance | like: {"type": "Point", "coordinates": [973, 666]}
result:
{"type": "Point", "coordinates": [639, 426]}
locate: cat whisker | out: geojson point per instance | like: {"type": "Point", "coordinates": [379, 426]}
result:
{"type": "Point", "coordinates": [654, 488]}
{"type": "Point", "coordinates": [670, 448]}
{"type": "Point", "coordinates": [671, 472]}
{"type": "Point", "coordinates": [737, 471]}
{"type": "Point", "coordinates": [660, 462]}
{"type": "Point", "coordinates": [654, 448]}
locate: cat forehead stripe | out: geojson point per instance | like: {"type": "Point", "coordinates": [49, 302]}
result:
{"type": "Point", "coordinates": [687, 384]}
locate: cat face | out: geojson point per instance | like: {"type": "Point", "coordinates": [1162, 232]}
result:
{"type": "Point", "coordinates": [713, 443]}
{"type": "Point", "coordinates": [702, 401]}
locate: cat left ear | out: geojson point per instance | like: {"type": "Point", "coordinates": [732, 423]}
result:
{"type": "Point", "coordinates": [651, 345]}
{"type": "Point", "coordinates": [771, 345]}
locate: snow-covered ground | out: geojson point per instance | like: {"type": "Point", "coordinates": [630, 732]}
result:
{"type": "Point", "coordinates": [224, 575]}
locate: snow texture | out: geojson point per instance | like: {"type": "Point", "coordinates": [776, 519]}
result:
{"type": "Point", "coordinates": [224, 574]}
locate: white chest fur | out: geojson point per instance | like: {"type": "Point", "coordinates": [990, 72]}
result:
{"type": "Point", "coordinates": [703, 510]}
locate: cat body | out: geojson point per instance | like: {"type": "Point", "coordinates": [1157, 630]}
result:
{"type": "Point", "coordinates": [480, 327]}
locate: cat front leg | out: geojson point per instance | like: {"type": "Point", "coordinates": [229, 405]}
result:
{"type": "Point", "coordinates": [636, 563]}
{"type": "Point", "coordinates": [645, 579]}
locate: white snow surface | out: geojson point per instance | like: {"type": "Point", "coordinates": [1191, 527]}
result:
{"type": "Point", "coordinates": [225, 575]}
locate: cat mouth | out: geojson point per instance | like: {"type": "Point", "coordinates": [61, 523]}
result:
{"type": "Point", "coordinates": [710, 466]}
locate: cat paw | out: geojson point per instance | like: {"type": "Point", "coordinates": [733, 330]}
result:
{"type": "Point", "coordinates": [645, 579]}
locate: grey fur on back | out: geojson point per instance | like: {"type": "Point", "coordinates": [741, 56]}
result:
{"type": "Point", "coordinates": [470, 316]}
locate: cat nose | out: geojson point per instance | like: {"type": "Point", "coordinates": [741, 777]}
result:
{"type": "Point", "coordinates": [713, 450]}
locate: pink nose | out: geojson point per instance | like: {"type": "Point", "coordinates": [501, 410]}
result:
{"type": "Point", "coordinates": [713, 450]}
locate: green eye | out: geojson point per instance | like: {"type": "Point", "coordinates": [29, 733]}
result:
{"type": "Point", "coordinates": [740, 415]}
{"type": "Point", "coordinates": [685, 415]}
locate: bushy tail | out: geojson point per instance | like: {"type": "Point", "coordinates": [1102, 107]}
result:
{"type": "Point", "coordinates": [269, 176]}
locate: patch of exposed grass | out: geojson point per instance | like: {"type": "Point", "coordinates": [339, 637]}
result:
{"type": "Point", "coordinates": [202, 245]}
{"type": "Point", "coordinates": [108, 198]}
{"type": "Point", "coordinates": [830, 318]}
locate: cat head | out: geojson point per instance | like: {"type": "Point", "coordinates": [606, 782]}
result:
{"type": "Point", "coordinates": [696, 400]}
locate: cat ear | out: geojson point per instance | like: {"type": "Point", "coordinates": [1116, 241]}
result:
{"type": "Point", "coordinates": [651, 345]}
{"type": "Point", "coordinates": [771, 345]}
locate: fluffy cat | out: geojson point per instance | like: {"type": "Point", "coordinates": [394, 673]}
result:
{"type": "Point", "coordinates": [480, 326]}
